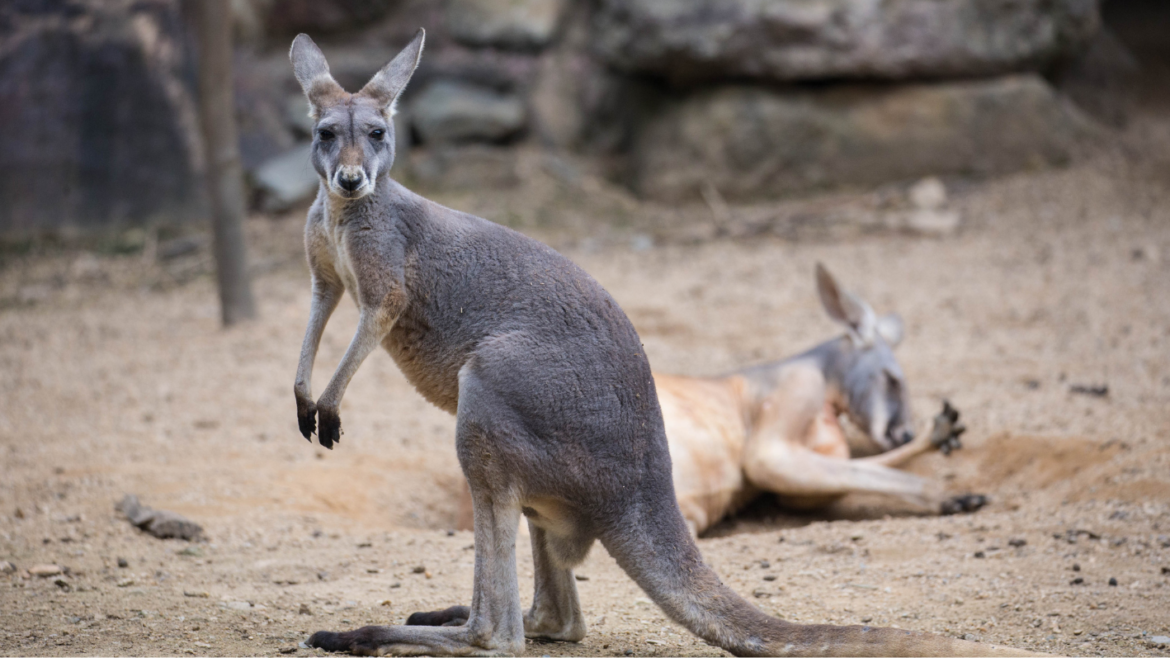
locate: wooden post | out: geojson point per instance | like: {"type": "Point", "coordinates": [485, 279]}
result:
{"type": "Point", "coordinates": [224, 173]}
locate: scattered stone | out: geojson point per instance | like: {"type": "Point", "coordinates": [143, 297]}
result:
{"type": "Point", "coordinates": [1092, 390]}
{"type": "Point", "coordinates": [19, 513]}
{"type": "Point", "coordinates": [287, 179]}
{"type": "Point", "coordinates": [290, 649]}
{"type": "Point", "coordinates": [1077, 581]}
{"type": "Point", "coordinates": [63, 584]}
{"type": "Point", "coordinates": [770, 577]}
{"type": "Point", "coordinates": [191, 551]}
{"type": "Point", "coordinates": [1159, 641]}
{"type": "Point", "coordinates": [196, 595]}
{"type": "Point", "coordinates": [757, 142]}
{"type": "Point", "coordinates": [125, 582]}
{"type": "Point", "coordinates": [834, 39]}
{"type": "Point", "coordinates": [1166, 571]}
{"type": "Point", "coordinates": [1112, 582]}
{"type": "Point", "coordinates": [7, 567]}
{"type": "Point", "coordinates": [581, 577]}
{"type": "Point", "coordinates": [386, 603]}
{"type": "Point", "coordinates": [123, 563]}
{"type": "Point", "coordinates": [184, 246]}
{"type": "Point", "coordinates": [1017, 543]}
{"type": "Point", "coordinates": [1076, 567]}
{"type": "Point", "coordinates": [45, 570]}
{"type": "Point", "coordinates": [764, 564]}
{"type": "Point", "coordinates": [419, 569]}
{"type": "Point", "coordinates": [160, 523]}
{"type": "Point", "coordinates": [980, 554]}
{"type": "Point", "coordinates": [447, 111]}
{"type": "Point", "coordinates": [395, 585]}
{"type": "Point", "coordinates": [305, 610]}
{"type": "Point", "coordinates": [512, 24]}
{"type": "Point", "coordinates": [236, 605]}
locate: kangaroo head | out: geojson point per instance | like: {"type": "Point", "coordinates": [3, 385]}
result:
{"type": "Point", "coordinates": [353, 134]}
{"type": "Point", "coordinates": [866, 372]}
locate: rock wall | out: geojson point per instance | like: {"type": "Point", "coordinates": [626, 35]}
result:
{"type": "Point", "coordinates": [97, 113]}
{"type": "Point", "coordinates": [757, 98]}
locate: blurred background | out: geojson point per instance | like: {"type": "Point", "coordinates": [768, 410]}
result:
{"type": "Point", "coordinates": [673, 102]}
{"type": "Point", "coordinates": [995, 171]}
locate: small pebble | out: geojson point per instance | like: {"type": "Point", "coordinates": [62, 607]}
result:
{"type": "Point", "coordinates": [45, 570]}
{"type": "Point", "coordinates": [7, 567]}
{"type": "Point", "coordinates": [1017, 543]}
{"type": "Point", "coordinates": [764, 564]}
{"type": "Point", "coordinates": [770, 577]}
{"type": "Point", "coordinates": [1159, 641]}
{"type": "Point", "coordinates": [980, 554]}
{"type": "Point", "coordinates": [305, 609]}
{"type": "Point", "coordinates": [292, 649]}
{"type": "Point", "coordinates": [123, 563]}
{"type": "Point", "coordinates": [419, 569]}
{"type": "Point", "coordinates": [1076, 567]}
{"type": "Point", "coordinates": [580, 577]}
{"type": "Point", "coordinates": [1113, 582]}
{"type": "Point", "coordinates": [1077, 581]}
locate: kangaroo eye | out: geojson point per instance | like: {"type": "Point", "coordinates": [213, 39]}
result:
{"type": "Point", "coordinates": [325, 135]}
{"type": "Point", "coordinates": [378, 134]}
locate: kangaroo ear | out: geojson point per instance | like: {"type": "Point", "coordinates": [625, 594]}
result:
{"type": "Point", "coordinates": [845, 308]}
{"type": "Point", "coordinates": [312, 72]}
{"type": "Point", "coordinates": [890, 328]}
{"type": "Point", "coordinates": [387, 85]}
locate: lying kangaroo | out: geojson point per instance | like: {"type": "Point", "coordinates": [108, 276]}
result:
{"type": "Point", "coordinates": [773, 427]}
{"type": "Point", "coordinates": [557, 416]}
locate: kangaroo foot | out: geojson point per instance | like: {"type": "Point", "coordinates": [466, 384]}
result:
{"type": "Point", "coordinates": [947, 429]}
{"type": "Point", "coordinates": [964, 504]}
{"type": "Point", "coordinates": [456, 615]}
{"type": "Point", "coordinates": [306, 417]}
{"type": "Point", "coordinates": [329, 428]}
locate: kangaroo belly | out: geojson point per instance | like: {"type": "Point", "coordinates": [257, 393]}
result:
{"type": "Point", "coordinates": [705, 431]}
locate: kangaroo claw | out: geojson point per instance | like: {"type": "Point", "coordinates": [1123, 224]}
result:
{"type": "Point", "coordinates": [329, 428]}
{"type": "Point", "coordinates": [306, 418]}
{"type": "Point", "coordinates": [947, 429]}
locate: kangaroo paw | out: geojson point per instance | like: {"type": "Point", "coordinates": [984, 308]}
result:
{"type": "Point", "coordinates": [328, 428]}
{"type": "Point", "coordinates": [456, 615]}
{"type": "Point", "coordinates": [947, 429]}
{"type": "Point", "coordinates": [306, 418]}
{"type": "Point", "coordinates": [964, 504]}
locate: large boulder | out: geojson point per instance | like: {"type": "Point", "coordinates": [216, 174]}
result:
{"type": "Point", "coordinates": [753, 142]}
{"type": "Point", "coordinates": [99, 119]}
{"type": "Point", "coordinates": [452, 111]}
{"type": "Point", "coordinates": [788, 40]}
{"type": "Point", "coordinates": [513, 24]}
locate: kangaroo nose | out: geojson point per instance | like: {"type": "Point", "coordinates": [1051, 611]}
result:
{"type": "Point", "coordinates": [350, 184]}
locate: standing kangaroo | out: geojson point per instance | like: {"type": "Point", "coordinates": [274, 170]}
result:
{"type": "Point", "coordinates": [556, 413]}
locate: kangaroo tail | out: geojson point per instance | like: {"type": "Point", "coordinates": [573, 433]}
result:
{"type": "Point", "coordinates": [654, 547]}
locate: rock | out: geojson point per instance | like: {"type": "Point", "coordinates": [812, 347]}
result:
{"type": "Point", "coordinates": [287, 179]}
{"type": "Point", "coordinates": [457, 168]}
{"type": "Point", "coordinates": [123, 563]}
{"type": "Point", "coordinates": [45, 570]}
{"type": "Point", "coordinates": [305, 610]}
{"type": "Point", "coordinates": [292, 16]}
{"type": "Point", "coordinates": [236, 605]}
{"type": "Point", "coordinates": [196, 594]}
{"type": "Point", "coordinates": [1159, 641]}
{"type": "Point", "coordinates": [449, 111]}
{"type": "Point", "coordinates": [160, 523]}
{"type": "Point", "coordinates": [100, 116]}
{"type": "Point", "coordinates": [788, 40]}
{"type": "Point", "coordinates": [514, 24]}
{"type": "Point", "coordinates": [754, 142]}
{"type": "Point", "coordinates": [7, 567]}
{"type": "Point", "coordinates": [1101, 79]}
{"type": "Point", "coordinates": [1112, 582]}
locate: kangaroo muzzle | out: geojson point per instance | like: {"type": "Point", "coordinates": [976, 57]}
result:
{"type": "Point", "coordinates": [350, 181]}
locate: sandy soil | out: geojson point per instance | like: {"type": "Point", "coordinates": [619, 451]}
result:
{"type": "Point", "coordinates": [117, 378]}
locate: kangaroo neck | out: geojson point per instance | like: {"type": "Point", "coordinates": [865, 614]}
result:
{"type": "Point", "coordinates": [340, 212]}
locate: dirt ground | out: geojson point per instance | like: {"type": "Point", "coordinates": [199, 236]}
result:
{"type": "Point", "coordinates": [116, 378]}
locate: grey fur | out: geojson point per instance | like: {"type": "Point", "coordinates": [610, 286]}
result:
{"type": "Point", "coordinates": [556, 411]}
